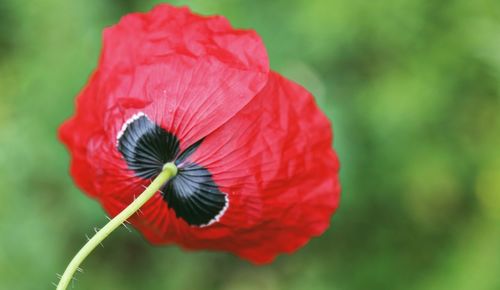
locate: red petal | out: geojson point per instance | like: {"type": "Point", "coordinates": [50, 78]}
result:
{"type": "Point", "coordinates": [275, 161]}
{"type": "Point", "coordinates": [186, 72]}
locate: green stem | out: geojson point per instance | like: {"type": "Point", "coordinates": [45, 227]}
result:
{"type": "Point", "coordinates": [169, 171]}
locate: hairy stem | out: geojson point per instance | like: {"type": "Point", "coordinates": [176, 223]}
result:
{"type": "Point", "coordinates": [169, 171]}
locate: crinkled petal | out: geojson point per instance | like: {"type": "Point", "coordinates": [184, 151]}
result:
{"type": "Point", "coordinates": [275, 161]}
{"type": "Point", "coordinates": [189, 73]}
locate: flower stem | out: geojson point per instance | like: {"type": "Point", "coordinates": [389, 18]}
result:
{"type": "Point", "coordinates": [169, 171]}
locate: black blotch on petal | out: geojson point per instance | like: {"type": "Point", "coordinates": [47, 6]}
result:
{"type": "Point", "coordinates": [192, 193]}
{"type": "Point", "coordinates": [186, 153]}
{"type": "Point", "coordinates": [146, 147]}
{"type": "Point", "coordinates": [194, 196]}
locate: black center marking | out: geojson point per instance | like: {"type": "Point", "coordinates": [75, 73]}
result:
{"type": "Point", "coordinates": [192, 193]}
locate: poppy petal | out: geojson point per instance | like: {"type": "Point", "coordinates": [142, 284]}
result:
{"type": "Point", "coordinates": [278, 170]}
{"type": "Point", "coordinates": [188, 73]}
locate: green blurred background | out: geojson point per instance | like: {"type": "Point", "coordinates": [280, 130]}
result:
{"type": "Point", "coordinates": [413, 90]}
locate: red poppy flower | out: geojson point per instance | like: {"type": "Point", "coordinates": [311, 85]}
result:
{"type": "Point", "coordinates": [256, 172]}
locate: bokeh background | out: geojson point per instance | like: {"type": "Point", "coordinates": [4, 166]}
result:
{"type": "Point", "coordinates": [413, 90]}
